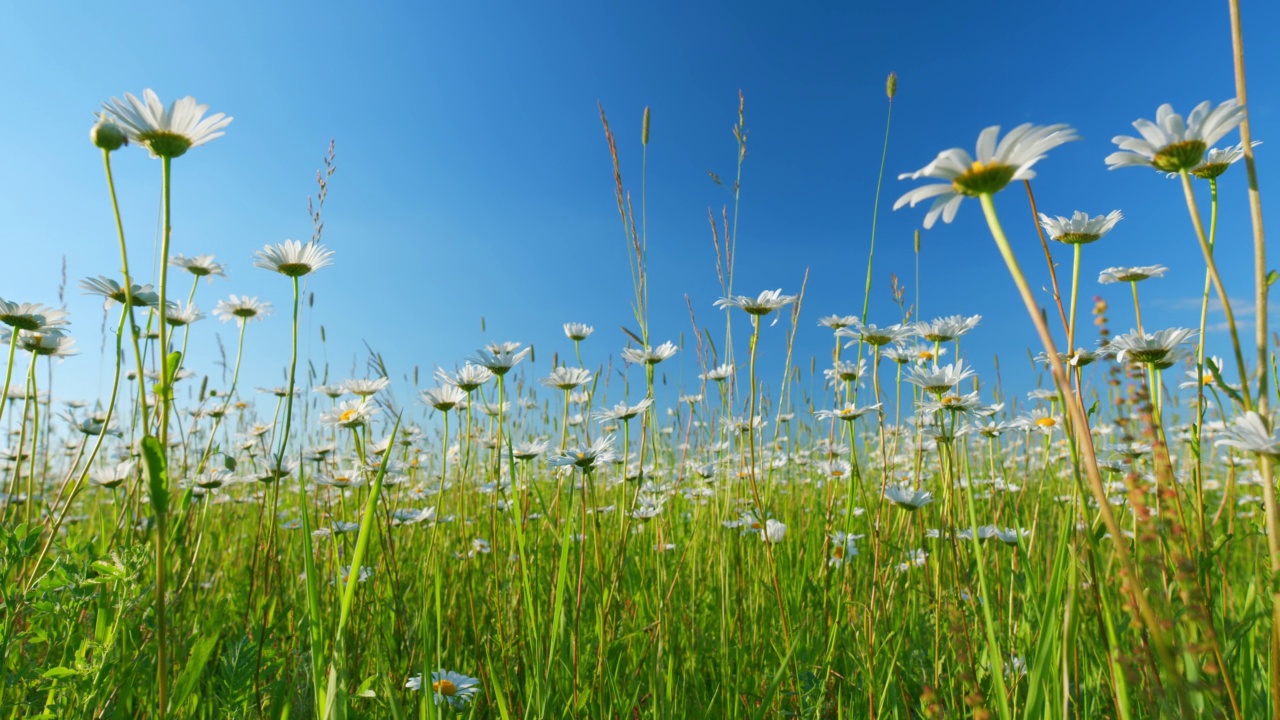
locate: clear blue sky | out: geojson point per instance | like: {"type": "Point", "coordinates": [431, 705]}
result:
{"type": "Point", "coordinates": [473, 178]}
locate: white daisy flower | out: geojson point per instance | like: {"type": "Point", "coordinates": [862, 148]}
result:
{"type": "Point", "coordinates": [443, 398]}
{"type": "Point", "coordinates": [454, 688]}
{"type": "Point", "coordinates": [30, 316]}
{"type": "Point", "coordinates": [650, 355]}
{"type": "Point", "coordinates": [1248, 432]}
{"type": "Point", "coordinates": [946, 329]}
{"type": "Point", "coordinates": [165, 132]}
{"type": "Point", "coordinates": [1079, 229]}
{"type": "Point", "coordinates": [241, 309]}
{"type": "Point", "coordinates": [578, 332]}
{"type": "Point", "coordinates": [1171, 144]}
{"type": "Point", "coordinates": [1132, 273]}
{"type": "Point", "coordinates": [765, 303]}
{"type": "Point", "coordinates": [200, 265]}
{"type": "Point", "coordinates": [1155, 347]}
{"type": "Point", "coordinates": [907, 498]}
{"type": "Point", "coordinates": [996, 166]}
{"type": "Point", "coordinates": [143, 296]}
{"type": "Point", "coordinates": [470, 377]}
{"type": "Point", "coordinates": [293, 259]}
{"type": "Point", "coordinates": [499, 359]}
{"type": "Point", "coordinates": [350, 414]}
{"type": "Point", "coordinates": [567, 378]}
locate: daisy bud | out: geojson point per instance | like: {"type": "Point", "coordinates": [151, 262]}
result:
{"type": "Point", "coordinates": [107, 135]}
{"type": "Point", "coordinates": [891, 85]}
{"type": "Point", "coordinates": [644, 129]}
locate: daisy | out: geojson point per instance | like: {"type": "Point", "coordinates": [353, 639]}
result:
{"type": "Point", "coordinates": [365, 387]}
{"type": "Point", "coordinates": [444, 398]}
{"type": "Point", "coordinates": [586, 457]}
{"type": "Point", "coordinates": [179, 316]}
{"type": "Point", "coordinates": [529, 450]}
{"type": "Point", "coordinates": [1148, 347]}
{"type": "Point", "coordinates": [467, 379]}
{"type": "Point", "coordinates": [765, 303]}
{"type": "Point", "coordinates": [1135, 273]}
{"type": "Point", "coordinates": [718, 374]}
{"type": "Point", "coordinates": [846, 371]}
{"type": "Point", "coordinates": [622, 411]}
{"type": "Point", "coordinates": [112, 477]}
{"type": "Point", "coordinates": [946, 329]}
{"type": "Point", "coordinates": [332, 391]}
{"type": "Point", "coordinates": [843, 547]}
{"type": "Point", "coordinates": [1171, 144]}
{"type": "Point", "coordinates": [1248, 432]}
{"type": "Point", "coordinates": [996, 166]}
{"type": "Point", "coordinates": [873, 335]}
{"type": "Point", "coordinates": [578, 332]}
{"type": "Point", "coordinates": [1218, 161]}
{"type": "Point", "coordinates": [200, 265]}
{"type": "Point", "coordinates": [1079, 229]}
{"type": "Point", "coordinates": [241, 309]}
{"type": "Point", "coordinates": [968, 404]}
{"type": "Point", "coordinates": [49, 343]}
{"type": "Point", "coordinates": [848, 413]}
{"type": "Point", "coordinates": [293, 259]}
{"type": "Point", "coordinates": [166, 133]}
{"type": "Point", "coordinates": [650, 355]}
{"type": "Point", "coordinates": [451, 687]}
{"type": "Point", "coordinates": [499, 359]}
{"type": "Point", "coordinates": [567, 378]}
{"type": "Point", "coordinates": [906, 498]}
{"type": "Point", "coordinates": [837, 322]}
{"type": "Point", "coordinates": [30, 316]}
{"type": "Point", "coordinates": [773, 532]}
{"type": "Point", "coordinates": [350, 414]}
{"type": "Point", "coordinates": [938, 380]}
{"type": "Point", "coordinates": [143, 296]}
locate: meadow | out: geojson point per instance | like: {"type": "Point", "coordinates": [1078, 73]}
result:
{"type": "Point", "coordinates": [555, 533]}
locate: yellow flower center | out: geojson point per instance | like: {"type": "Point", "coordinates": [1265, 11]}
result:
{"type": "Point", "coordinates": [347, 415]}
{"type": "Point", "coordinates": [445, 687]}
{"type": "Point", "coordinates": [1046, 422]}
{"type": "Point", "coordinates": [839, 552]}
{"type": "Point", "coordinates": [926, 354]}
{"type": "Point", "coordinates": [951, 400]}
{"type": "Point", "coordinates": [984, 178]}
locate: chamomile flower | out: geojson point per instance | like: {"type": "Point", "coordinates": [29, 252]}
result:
{"type": "Point", "coordinates": [1248, 432]}
{"type": "Point", "coordinates": [241, 309]}
{"type": "Point", "coordinates": [773, 532]}
{"type": "Point", "coordinates": [838, 322]}
{"type": "Point", "coordinates": [46, 343]}
{"type": "Point", "coordinates": [567, 378]}
{"type": "Point", "coordinates": [470, 377]}
{"type": "Point", "coordinates": [112, 477]}
{"type": "Point", "coordinates": [578, 332]}
{"type": "Point", "coordinates": [293, 259]}
{"type": "Point", "coordinates": [938, 380]}
{"type": "Point", "coordinates": [449, 687]}
{"type": "Point", "coordinates": [846, 371]}
{"type": "Point", "coordinates": [1171, 144]}
{"type": "Point", "coordinates": [200, 265]}
{"type": "Point", "coordinates": [1079, 229]}
{"type": "Point", "coordinates": [843, 547]}
{"type": "Point", "coordinates": [499, 359]}
{"type": "Point", "coordinates": [907, 498]}
{"type": "Point", "coordinates": [365, 387]}
{"type": "Point", "coordinates": [350, 414]}
{"type": "Point", "coordinates": [586, 457]}
{"type": "Point", "coordinates": [1133, 273]}
{"type": "Point", "coordinates": [166, 133]}
{"type": "Point", "coordinates": [622, 411]}
{"type": "Point", "coordinates": [718, 374]}
{"type": "Point", "coordinates": [848, 412]}
{"type": "Point", "coordinates": [763, 304]}
{"type": "Point", "coordinates": [873, 335]}
{"type": "Point", "coordinates": [1155, 347]}
{"type": "Point", "coordinates": [996, 165]}
{"type": "Point", "coordinates": [143, 295]}
{"type": "Point", "coordinates": [179, 316]}
{"type": "Point", "coordinates": [1218, 160]}
{"type": "Point", "coordinates": [650, 355]}
{"type": "Point", "coordinates": [444, 398]}
{"type": "Point", "coordinates": [30, 316]}
{"type": "Point", "coordinates": [946, 329]}
{"type": "Point", "coordinates": [529, 449]}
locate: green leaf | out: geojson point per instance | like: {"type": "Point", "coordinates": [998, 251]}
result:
{"type": "Point", "coordinates": [1272, 276]}
{"type": "Point", "coordinates": [191, 673]}
{"type": "Point", "coordinates": [157, 476]}
{"type": "Point", "coordinates": [59, 672]}
{"type": "Point", "coordinates": [229, 463]}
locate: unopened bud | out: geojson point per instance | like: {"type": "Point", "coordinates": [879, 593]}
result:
{"type": "Point", "coordinates": [891, 85]}
{"type": "Point", "coordinates": [108, 135]}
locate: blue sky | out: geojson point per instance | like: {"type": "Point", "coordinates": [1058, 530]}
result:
{"type": "Point", "coordinates": [473, 178]}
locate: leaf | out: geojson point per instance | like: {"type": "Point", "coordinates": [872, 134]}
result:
{"type": "Point", "coordinates": [157, 477]}
{"type": "Point", "coordinates": [1272, 276]}
{"type": "Point", "coordinates": [193, 670]}
{"type": "Point", "coordinates": [59, 672]}
{"type": "Point", "coordinates": [229, 463]}
{"type": "Point", "coordinates": [366, 687]}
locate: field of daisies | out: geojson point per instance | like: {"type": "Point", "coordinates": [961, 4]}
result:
{"type": "Point", "coordinates": [515, 537]}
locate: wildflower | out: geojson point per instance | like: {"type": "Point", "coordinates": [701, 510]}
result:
{"type": "Point", "coordinates": [112, 477]}
{"type": "Point", "coordinates": [946, 329]}
{"type": "Point", "coordinates": [843, 547]}
{"type": "Point", "coordinates": [333, 392]}
{"type": "Point", "coordinates": [567, 378]}
{"type": "Point", "coordinates": [165, 133]}
{"type": "Point", "coordinates": [1171, 145]}
{"type": "Point", "coordinates": [578, 332]}
{"type": "Point", "coordinates": [200, 265]}
{"type": "Point", "coordinates": [622, 411]}
{"type": "Point", "coordinates": [350, 414]}
{"type": "Point", "coordinates": [242, 309]}
{"type": "Point", "coordinates": [873, 335]}
{"type": "Point", "coordinates": [48, 343]}
{"type": "Point", "coordinates": [1079, 229]}
{"type": "Point", "coordinates": [938, 380]}
{"type": "Point", "coordinates": [996, 166]}
{"type": "Point", "coordinates": [1134, 273]}
{"type": "Point", "coordinates": [765, 303]}
{"type": "Point", "coordinates": [444, 398]}
{"type": "Point", "coordinates": [451, 687]}
{"type": "Point", "coordinates": [107, 135]}
{"type": "Point", "coordinates": [529, 450]}
{"type": "Point", "coordinates": [467, 379]}
{"type": "Point", "coordinates": [179, 316]}
{"type": "Point", "coordinates": [838, 322]}
{"type": "Point", "coordinates": [31, 316]}
{"type": "Point", "coordinates": [848, 412]}
{"type": "Point", "coordinates": [1219, 160]}
{"type": "Point", "coordinates": [969, 403]}
{"type": "Point", "coordinates": [846, 371]}
{"type": "Point", "coordinates": [718, 374]}
{"type": "Point", "coordinates": [499, 359]}
{"type": "Point", "coordinates": [293, 259]}
{"type": "Point", "coordinates": [774, 531]}
{"type": "Point", "coordinates": [1249, 432]}
{"type": "Point", "coordinates": [365, 387]}
{"type": "Point", "coordinates": [650, 355]}
{"type": "Point", "coordinates": [907, 498]}
{"type": "Point", "coordinates": [1148, 347]}
{"type": "Point", "coordinates": [586, 457]}
{"type": "Point", "coordinates": [143, 296]}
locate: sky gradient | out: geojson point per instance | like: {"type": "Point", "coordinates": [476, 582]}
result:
{"type": "Point", "coordinates": [474, 181]}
